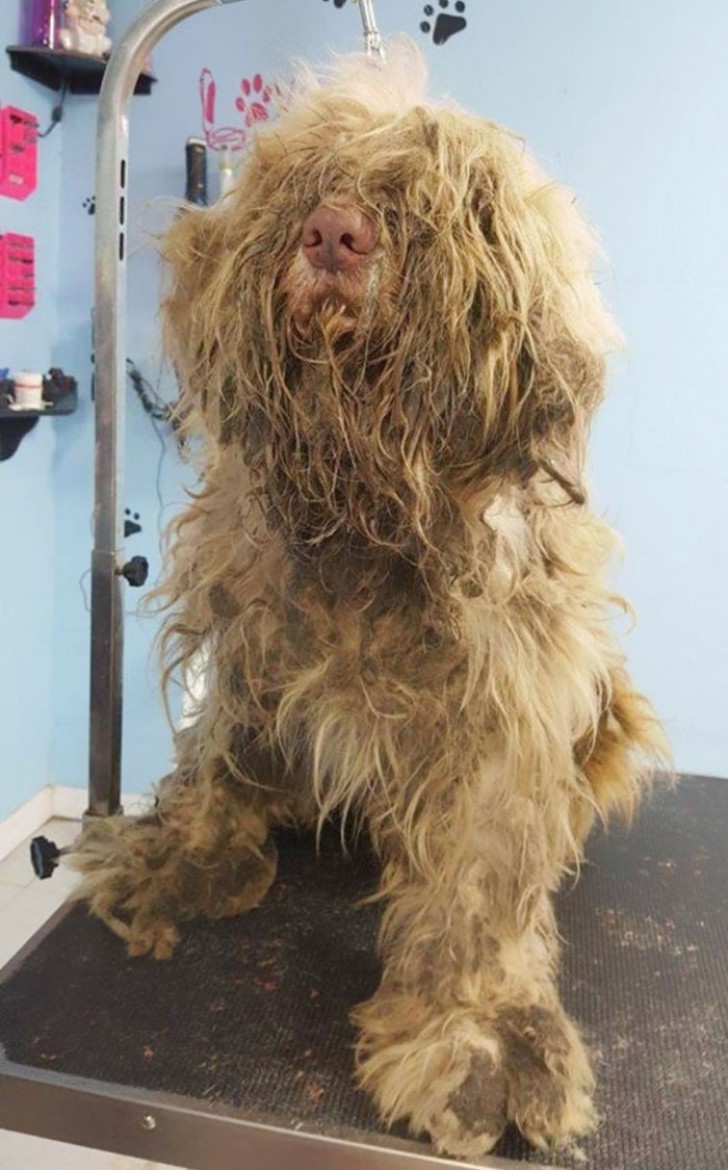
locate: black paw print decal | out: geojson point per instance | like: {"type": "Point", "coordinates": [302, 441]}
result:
{"type": "Point", "coordinates": [339, 3]}
{"type": "Point", "coordinates": [131, 523]}
{"type": "Point", "coordinates": [89, 205]}
{"type": "Point", "coordinates": [448, 22]}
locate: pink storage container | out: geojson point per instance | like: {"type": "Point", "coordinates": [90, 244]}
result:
{"type": "Point", "coordinates": [18, 153]}
{"type": "Point", "coordinates": [17, 275]}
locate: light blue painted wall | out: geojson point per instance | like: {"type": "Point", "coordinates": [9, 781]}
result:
{"type": "Point", "coordinates": [27, 483]}
{"type": "Point", "coordinates": [623, 102]}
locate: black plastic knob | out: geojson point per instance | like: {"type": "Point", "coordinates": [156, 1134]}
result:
{"type": "Point", "coordinates": [136, 571]}
{"type": "Point", "coordinates": [44, 856]}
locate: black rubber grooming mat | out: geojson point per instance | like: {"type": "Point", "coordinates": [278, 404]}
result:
{"type": "Point", "coordinates": [253, 1012]}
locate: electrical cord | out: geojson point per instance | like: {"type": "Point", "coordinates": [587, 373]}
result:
{"type": "Point", "coordinates": [57, 111]}
{"type": "Point", "coordinates": [157, 407]}
{"type": "Point", "coordinates": [82, 587]}
{"type": "Point", "coordinates": [160, 411]}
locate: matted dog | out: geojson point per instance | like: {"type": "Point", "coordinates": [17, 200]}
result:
{"type": "Point", "coordinates": [389, 339]}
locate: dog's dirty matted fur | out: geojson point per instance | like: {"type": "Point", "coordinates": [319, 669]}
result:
{"type": "Point", "coordinates": [391, 348]}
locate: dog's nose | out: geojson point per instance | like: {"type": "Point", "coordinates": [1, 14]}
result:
{"type": "Point", "coordinates": [338, 238]}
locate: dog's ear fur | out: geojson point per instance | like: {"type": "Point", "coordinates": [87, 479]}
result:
{"type": "Point", "coordinates": [545, 329]}
{"type": "Point", "coordinates": [199, 256]}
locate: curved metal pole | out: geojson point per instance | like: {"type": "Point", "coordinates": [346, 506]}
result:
{"type": "Point", "coordinates": [107, 608]}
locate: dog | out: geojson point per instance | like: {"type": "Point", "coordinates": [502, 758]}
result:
{"type": "Point", "coordinates": [390, 348]}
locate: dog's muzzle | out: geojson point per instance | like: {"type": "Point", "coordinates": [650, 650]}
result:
{"type": "Point", "coordinates": [334, 270]}
{"type": "Point", "coordinates": [338, 239]}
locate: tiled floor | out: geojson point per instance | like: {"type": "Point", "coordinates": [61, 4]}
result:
{"type": "Point", "coordinates": [25, 904]}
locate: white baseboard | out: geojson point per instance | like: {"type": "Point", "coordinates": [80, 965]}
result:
{"type": "Point", "coordinates": [25, 820]}
{"type": "Point", "coordinates": [53, 801]}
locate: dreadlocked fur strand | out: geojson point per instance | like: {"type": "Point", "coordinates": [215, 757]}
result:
{"type": "Point", "coordinates": [397, 584]}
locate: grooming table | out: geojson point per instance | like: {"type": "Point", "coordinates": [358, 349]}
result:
{"type": "Point", "coordinates": [238, 1051]}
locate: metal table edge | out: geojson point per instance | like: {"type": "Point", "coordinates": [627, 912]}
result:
{"type": "Point", "coordinates": [161, 1127]}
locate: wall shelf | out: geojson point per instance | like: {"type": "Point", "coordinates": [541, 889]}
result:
{"type": "Point", "coordinates": [81, 72]}
{"type": "Point", "coordinates": [16, 424]}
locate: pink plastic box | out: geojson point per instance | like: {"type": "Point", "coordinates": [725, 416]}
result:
{"type": "Point", "coordinates": [18, 153]}
{"type": "Point", "coordinates": [17, 275]}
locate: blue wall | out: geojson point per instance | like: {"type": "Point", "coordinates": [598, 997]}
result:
{"type": "Point", "coordinates": [623, 102]}
{"type": "Point", "coordinates": [28, 602]}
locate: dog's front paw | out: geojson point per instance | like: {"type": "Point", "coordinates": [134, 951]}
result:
{"type": "Point", "coordinates": [443, 1076]}
{"type": "Point", "coordinates": [461, 1076]}
{"type": "Point", "coordinates": [125, 880]}
{"type": "Point", "coordinates": [550, 1081]}
{"type": "Point", "coordinates": [141, 879]}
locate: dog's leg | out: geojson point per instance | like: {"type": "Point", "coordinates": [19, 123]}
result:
{"type": "Point", "coordinates": [466, 1030]}
{"type": "Point", "coordinates": [203, 851]}
{"type": "Point", "coordinates": [621, 760]}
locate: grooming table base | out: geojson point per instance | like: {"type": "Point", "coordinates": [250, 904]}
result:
{"type": "Point", "coordinates": [238, 1051]}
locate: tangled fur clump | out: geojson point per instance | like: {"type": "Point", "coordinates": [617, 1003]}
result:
{"type": "Point", "coordinates": [398, 585]}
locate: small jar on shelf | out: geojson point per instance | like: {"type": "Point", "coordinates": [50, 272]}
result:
{"type": "Point", "coordinates": [28, 390]}
{"type": "Point", "coordinates": [42, 22]}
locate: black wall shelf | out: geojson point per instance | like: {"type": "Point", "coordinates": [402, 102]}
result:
{"type": "Point", "coordinates": [81, 72]}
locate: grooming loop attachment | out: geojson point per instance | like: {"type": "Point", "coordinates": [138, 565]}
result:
{"type": "Point", "coordinates": [372, 35]}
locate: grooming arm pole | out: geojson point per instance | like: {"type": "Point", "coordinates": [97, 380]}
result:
{"type": "Point", "coordinates": [107, 585]}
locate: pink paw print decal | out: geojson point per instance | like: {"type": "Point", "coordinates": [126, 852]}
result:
{"type": "Point", "coordinates": [254, 102]}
